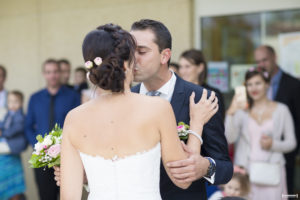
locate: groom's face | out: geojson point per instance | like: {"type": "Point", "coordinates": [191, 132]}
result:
{"type": "Point", "coordinates": [148, 57]}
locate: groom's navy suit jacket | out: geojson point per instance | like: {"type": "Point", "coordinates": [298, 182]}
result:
{"type": "Point", "coordinates": [214, 145]}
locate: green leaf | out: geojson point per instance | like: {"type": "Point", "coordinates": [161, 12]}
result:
{"type": "Point", "coordinates": [56, 162]}
{"type": "Point", "coordinates": [184, 137]}
{"type": "Point", "coordinates": [39, 138]}
{"type": "Point", "coordinates": [180, 123]}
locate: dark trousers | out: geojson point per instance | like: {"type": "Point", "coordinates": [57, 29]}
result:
{"type": "Point", "coordinates": [48, 190]}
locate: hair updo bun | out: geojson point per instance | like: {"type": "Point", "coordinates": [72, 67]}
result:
{"type": "Point", "coordinates": [114, 46]}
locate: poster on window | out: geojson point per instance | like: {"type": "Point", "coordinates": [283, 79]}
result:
{"type": "Point", "coordinates": [217, 75]}
{"type": "Point", "coordinates": [289, 51]}
{"type": "Point", "coordinates": [237, 74]}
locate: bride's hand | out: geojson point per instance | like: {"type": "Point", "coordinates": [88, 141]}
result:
{"type": "Point", "coordinates": [202, 112]}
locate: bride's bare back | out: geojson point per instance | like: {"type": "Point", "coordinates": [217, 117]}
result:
{"type": "Point", "coordinates": [116, 125]}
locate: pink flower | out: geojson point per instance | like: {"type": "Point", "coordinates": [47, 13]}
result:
{"type": "Point", "coordinates": [179, 127]}
{"type": "Point", "coordinates": [45, 146]}
{"type": "Point", "coordinates": [88, 64]}
{"type": "Point", "coordinates": [54, 150]}
{"type": "Point", "coordinates": [98, 61]}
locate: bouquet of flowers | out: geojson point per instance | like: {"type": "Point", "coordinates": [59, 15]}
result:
{"type": "Point", "coordinates": [47, 149]}
{"type": "Point", "coordinates": [182, 130]}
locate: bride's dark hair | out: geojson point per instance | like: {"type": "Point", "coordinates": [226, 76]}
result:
{"type": "Point", "coordinates": [115, 46]}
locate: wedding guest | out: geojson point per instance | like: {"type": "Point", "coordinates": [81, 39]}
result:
{"type": "Point", "coordinates": [80, 81]}
{"type": "Point", "coordinates": [174, 67]}
{"type": "Point", "coordinates": [193, 68]}
{"type": "Point", "coordinates": [261, 133]}
{"type": "Point", "coordinates": [3, 92]}
{"type": "Point", "coordinates": [65, 67]}
{"type": "Point", "coordinates": [285, 89]}
{"type": "Point", "coordinates": [46, 108]}
{"type": "Point", "coordinates": [238, 186]}
{"type": "Point", "coordinates": [12, 143]}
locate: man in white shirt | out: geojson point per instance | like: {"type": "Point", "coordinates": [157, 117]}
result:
{"type": "Point", "coordinates": [152, 56]}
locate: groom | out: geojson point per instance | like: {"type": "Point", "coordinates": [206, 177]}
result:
{"type": "Point", "coordinates": [153, 55]}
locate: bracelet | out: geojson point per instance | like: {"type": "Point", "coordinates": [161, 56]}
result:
{"type": "Point", "coordinates": [196, 135]}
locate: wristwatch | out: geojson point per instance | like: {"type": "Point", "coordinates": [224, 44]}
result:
{"type": "Point", "coordinates": [211, 168]}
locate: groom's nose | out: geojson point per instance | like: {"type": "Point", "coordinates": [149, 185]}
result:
{"type": "Point", "coordinates": [137, 57]}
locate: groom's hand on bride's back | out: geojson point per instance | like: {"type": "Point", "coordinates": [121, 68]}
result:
{"type": "Point", "coordinates": [57, 175]}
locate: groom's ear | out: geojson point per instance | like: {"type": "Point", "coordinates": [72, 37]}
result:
{"type": "Point", "coordinates": [165, 56]}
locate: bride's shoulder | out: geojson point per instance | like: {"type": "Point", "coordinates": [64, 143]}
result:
{"type": "Point", "coordinates": [78, 111]}
{"type": "Point", "coordinates": [153, 104]}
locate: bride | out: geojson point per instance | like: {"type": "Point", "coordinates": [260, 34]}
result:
{"type": "Point", "coordinates": [119, 138]}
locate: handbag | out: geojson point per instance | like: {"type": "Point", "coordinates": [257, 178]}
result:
{"type": "Point", "coordinates": [264, 173]}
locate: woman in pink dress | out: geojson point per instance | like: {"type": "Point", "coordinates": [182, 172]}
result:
{"type": "Point", "coordinates": [262, 130]}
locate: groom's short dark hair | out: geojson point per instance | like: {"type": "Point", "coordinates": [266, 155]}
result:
{"type": "Point", "coordinates": [163, 36]}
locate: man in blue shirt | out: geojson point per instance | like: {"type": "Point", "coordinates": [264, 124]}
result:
{"type": "Point", "coordinates": [46, 108]}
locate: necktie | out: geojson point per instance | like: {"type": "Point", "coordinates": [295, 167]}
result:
{"type": "Point", "coordinates": [153, 93]}
{"type": "Point", "coordinates": [8, 121]}
{"type": "Point", "coordinates": [51, 112]}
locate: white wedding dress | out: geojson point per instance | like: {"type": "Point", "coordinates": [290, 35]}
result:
{"type": "Point", "coordinates": [134, 177]}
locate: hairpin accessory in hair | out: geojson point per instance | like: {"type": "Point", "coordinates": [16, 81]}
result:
{"type": "Point", "coordinates": [266, 74]}
{"type": "Point", "coordinates": [88, 64]}
{"type": "Point", "coordinates": [98, 61]}
{"type": "Point", "coordinates": [251, 69]}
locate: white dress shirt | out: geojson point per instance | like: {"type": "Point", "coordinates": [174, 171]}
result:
{"type": "Point", "coordinates": [167, 91]}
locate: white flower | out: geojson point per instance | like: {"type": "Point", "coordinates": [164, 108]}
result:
{"type": "Point", "coordinates": [98, 61]}
{"type": "Point", "coordinates": [38, 147]}
{"type": "Point", "coordinates": [57, 140]}
{"type": "Point", "coordinates": [48, 140]}
{"type": "Point", "coordinates": [88, 64]}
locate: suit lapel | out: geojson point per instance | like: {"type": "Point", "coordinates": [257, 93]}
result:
{"type": "Point", "coordinates": [280, 91]}
{"type": "Point", "coordinates": [178, 97]}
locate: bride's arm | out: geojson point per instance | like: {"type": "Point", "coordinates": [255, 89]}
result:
{"type": "Point", "coordinates": [71, 166]}
{"type": "Point", "coordinates": [172, 149]}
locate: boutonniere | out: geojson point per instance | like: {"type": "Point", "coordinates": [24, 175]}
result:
{"type": "Point", "coordinates": [182, 130]}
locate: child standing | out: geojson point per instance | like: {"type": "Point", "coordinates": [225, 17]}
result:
{"type": "Point", "coordinates": [12, 143]}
